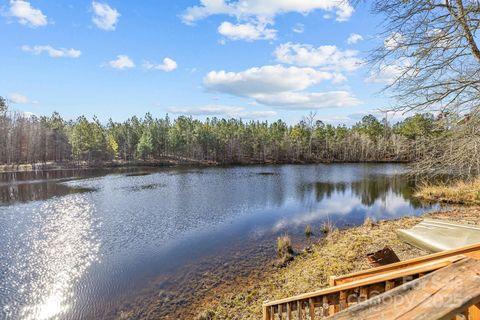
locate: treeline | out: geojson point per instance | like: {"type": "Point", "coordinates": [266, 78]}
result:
{"type": "Point", "coordinates": [32, 139]}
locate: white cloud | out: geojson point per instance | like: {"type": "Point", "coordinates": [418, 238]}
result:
{"type": "Point", "coordinates": [18, 98]}
{"type": "Point", "coordinates": [266, 79]}
{"type": "Point", "coordinates": [280, 86]}
{"type": "Point", "coordinates": [265, 8]}
{"type": "Point", "coordinates": [298, 28]}
{"type": "Point", "coordinates": [53, 52]}
{"type": "Point", "coordinates": [310, 100]}
{"type": "Point", "coordinates": [354, 38]}
{"type": "Point", "coordinates": [247, 31]}
{"type": "Point", "coordinates": [394, 41]}
{"type": "Point", "coordinates": [122, 62]}
{"type": "Point", "coordinates": [26, 14]}
{"type": "Point", "coordinates": [327, 57]}
{"type": "Point", "coordinates": [221, 110]}
{"type": "Point", "coordinates": [167, 65]}
{"type": "Point", "coordinates": [388, 74]}
{"type": "Point", "coordinates": [254, 16]}
{"type": "Point", "coordinates": [105, 17]}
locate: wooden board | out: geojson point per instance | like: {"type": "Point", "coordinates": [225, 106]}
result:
{"type": "Point", "coordinates": [439, 295]}
{"type": "Point", "coordinates": [470, 251]}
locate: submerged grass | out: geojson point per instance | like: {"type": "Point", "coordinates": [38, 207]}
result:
{"type": "Point", "coordinates": [308, 231]}
{"type": "Point", "coordinates": [284, 248]}
{"type": "Point", "coordinates": [460, 192]}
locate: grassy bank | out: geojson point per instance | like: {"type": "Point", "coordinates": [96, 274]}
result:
{"type": "Point", "coordinates": [341, 252]}
{"type": "Point", "coordinates": [461, 192]}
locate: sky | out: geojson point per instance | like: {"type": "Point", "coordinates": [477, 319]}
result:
{"type": "Point", "coordinates": [249, 59]}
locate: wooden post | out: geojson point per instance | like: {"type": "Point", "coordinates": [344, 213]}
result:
{"type": "Point", "coordinates": [266, 313]}
{"type": "Point", "coordinates": [289, 311]}
{"type": "Point", "coordinates": [299, 309]}
{"type": "Point", "coordinates": [331, 281]}
{"type": "Point", "coordinates": [325, 306]}
{"type": "Point", "coordinates": [389, 285]}
{"type": "Point", "coordinates": [332, 304]}
{"type": "Point", "coordinates": [342, 302]}
{"type": "Point", "coordinates": [272, 312]}
{"type": "Point", "coordinates": [363, 294]}
{"type": "Point", "coordinates": [280, 311]}
{"type": "Point", "coordinates": [311, 304]}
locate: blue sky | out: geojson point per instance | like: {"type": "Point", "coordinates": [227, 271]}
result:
{"type": "Point", "coordinates": [258, 59]}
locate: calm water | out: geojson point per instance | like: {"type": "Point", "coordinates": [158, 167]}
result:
{"type": "Point", "coordinates": [89, 244]}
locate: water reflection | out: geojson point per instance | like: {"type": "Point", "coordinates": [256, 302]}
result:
{"type": "Point", "coordinates": [47, 259]}
{"type": "Point", "coordinates": [43, 185]}
{"type": "Point", "coordinates": [367, 190]}
{"type": "Point", "coordinates": [71, 254]}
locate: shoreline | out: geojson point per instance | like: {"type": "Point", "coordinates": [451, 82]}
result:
{"type": "Point", "coordinates": [341, 252]}
{"type": "Point", "coordinates": [161, 163]}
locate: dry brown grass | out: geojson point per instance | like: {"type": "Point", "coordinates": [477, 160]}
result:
{"type": "Point", "coordinates": [461, 192]}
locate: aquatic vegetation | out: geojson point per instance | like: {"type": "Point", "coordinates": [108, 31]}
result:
{"type": "Point", "coordinates": [327, 227]}
{"type": "Point", "coordinates": [308, 231]}
{"type": "Point", "coordinates": [460, 192]}
{"type": "Point", "coordinates": [284, 248]}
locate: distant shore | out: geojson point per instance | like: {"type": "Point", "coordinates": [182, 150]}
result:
{"type": "Point", "coordinates": [164, 162]}
{"type": "Point", "coordinates": [67, 165]}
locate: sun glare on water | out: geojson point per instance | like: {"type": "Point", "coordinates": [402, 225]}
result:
{"type": "Point", "coordinates": [62, 248]}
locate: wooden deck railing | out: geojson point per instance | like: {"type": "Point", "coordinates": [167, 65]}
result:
{"type": "Point", "coordinates": [354, 288]}
{"type": "Point", "coordinates": [451, 293]}
{"type": "Point", "coordinates": [472, 251]}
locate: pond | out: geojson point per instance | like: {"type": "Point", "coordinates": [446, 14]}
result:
{"type": "Point", "coordinates": [81, 244]}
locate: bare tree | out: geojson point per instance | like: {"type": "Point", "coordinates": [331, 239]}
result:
{"type": "Point", "coordinates": [430, 55]}
{"type": "Point", "coordinates": [454, 153]}
{"type": "Point", "coordinates": [310, 122]}
{"type": "Point", "coordinates": [431, 61]}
